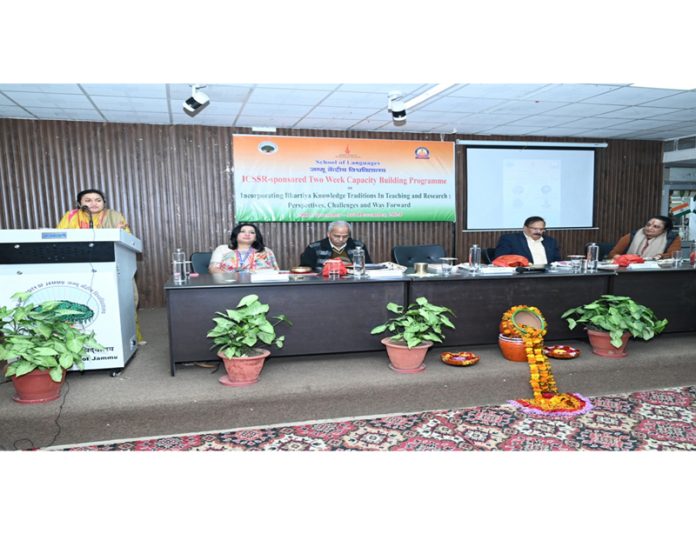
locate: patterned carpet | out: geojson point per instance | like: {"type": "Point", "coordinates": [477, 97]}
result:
{"type": "Point", "coordinates": [661, 420]}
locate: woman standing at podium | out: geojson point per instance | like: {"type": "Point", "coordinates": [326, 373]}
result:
{"type": "Point", "coordinates": [91, 212]}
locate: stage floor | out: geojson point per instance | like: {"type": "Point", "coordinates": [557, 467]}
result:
{"type": "Point", "coordinates": [145, 400]}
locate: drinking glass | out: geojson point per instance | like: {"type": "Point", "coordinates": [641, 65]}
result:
{"type": "Point", "coordinates": [677, 258]}
{"type": "Point", "coordinates": [576, 262]}
{"type": "Point", "coordinates": [447, 265]}
{"type": "Point", "coordinates": [333, 272]}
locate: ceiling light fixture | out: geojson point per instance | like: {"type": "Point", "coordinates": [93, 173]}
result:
{"type": "Point", "coordinates": [439, 88]}
{"type": "Point", "coordinates": [197, 101]}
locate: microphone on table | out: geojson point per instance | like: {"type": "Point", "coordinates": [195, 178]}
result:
{"type": "Point", "coordinates": [86, 210]}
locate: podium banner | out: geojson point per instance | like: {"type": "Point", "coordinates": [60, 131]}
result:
{"type": "Point", "coordinates": [89, 271]}
{"type": "Point", "coordinates": [279, 178]}
{"type": "Point", "coordinates": [94, 295]}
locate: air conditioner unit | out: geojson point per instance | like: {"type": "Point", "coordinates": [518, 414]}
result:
{"type": "Point", "coordinates": [680, 152]}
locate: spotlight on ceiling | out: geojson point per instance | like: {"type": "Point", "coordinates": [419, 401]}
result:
{"type": "Point", "coordinates": [197, 101]}
{"type": "Point", "coordinates": [397, 108]}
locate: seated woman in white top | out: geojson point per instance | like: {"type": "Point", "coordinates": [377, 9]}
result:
{"type": "Point", "coordinates": [246, 252]}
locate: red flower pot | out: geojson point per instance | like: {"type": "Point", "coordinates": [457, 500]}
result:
{"type": "Point", "coordinates": [405, 360]}
{"type": "Point", "coordinates": [243, 371]}
{"type": "Point", "coordinates": [36, 386]}
{"type": "Point", "coordinates": [601, 344]}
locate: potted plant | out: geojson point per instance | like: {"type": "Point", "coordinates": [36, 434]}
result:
{"type": "Point", "coordinates": [238, 334]}
{"type": "Point", "coordinates": [39, 344]}
{"type": "Point", "coordinates": [415, 328]}
{"type": "Point", "coordinates": [611, 320]}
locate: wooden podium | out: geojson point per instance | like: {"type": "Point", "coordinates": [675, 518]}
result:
{"type": "Point", "coordinates": [89, 270]}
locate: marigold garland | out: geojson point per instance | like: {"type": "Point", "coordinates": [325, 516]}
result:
{"type": "Point", "coordinates": [507, 327]}
{"type": "Point", "coordinates": [547, 400]}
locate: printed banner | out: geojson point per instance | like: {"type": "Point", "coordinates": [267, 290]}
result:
{"type": "Point", "coordinates": [93, 296]}
{"type": "Point", "coordinates": [324, 179]}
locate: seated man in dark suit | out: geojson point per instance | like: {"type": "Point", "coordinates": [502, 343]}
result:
{"type": "Point", "coordinates": [336, 244]}
{"type": "Point", "coordinates": [530, 243]}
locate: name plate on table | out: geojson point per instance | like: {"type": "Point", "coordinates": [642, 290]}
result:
{"type": "Point", "coordinates": [498, 270]}
{"type": "Point", "coordinates": [269, 276]}
{"type": "Point", "coordinates": [384, 274]}
{"type": "Point", "coordinates": [642, 266]}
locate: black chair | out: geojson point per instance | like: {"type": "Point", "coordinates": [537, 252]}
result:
{"type": "Point", "coordinates": [604, 249]}
{"type": "Point", "coordinates": [407, 255]}
{"type": "Point", "coordinates": [200, 261]}
{"type": "Point", "coordinates": [488, 255]}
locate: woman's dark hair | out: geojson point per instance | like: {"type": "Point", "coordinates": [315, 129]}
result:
{"type": "Point", "coordinates": [87, 191]}
{"type": "Point", "coordinates": [256, 245]}
{"type": "Point", "coordinates": [666, 220]}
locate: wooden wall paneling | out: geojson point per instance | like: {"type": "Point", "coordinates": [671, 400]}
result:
{"type": "Point", "coordinates": [170, 183]}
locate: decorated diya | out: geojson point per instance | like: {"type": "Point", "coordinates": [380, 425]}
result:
{"type": "Point", "coordinates": [461, 359]}
{"type": "Point", "coordinates": [561, 352]}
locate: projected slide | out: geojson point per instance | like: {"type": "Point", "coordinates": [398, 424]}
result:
{"type": "Point", "coordinates": [505, 186]}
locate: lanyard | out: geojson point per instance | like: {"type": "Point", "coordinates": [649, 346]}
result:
{"type": "Point", "coordinates": [243, 259]}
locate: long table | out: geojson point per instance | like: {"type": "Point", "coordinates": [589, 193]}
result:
{"type": "Point", "coordinates": [328, 316]}
{"type": "Point", "coordinates": [336, 316]}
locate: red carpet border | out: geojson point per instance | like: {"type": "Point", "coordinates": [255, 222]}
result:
{"type": "Point", "coordinates": [649, 420]}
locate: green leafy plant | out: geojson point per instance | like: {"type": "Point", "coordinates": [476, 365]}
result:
{"type": "Point", "coordinates": [416, 323]}
{"type": "Point", "coordinates": [41, 336]}
{"type": "Point", "coordinates": [237, 332]}
{"type": "Point", "coordinates": [616, 315]}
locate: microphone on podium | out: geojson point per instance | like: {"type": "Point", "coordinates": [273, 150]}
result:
{"type": "Point", "coordinates": [86, 210]}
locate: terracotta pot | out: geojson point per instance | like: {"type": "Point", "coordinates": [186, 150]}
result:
{"type": "Point", "coordinates": [243, 371]}
{"type": "Point", "coordinates": [403, 359]}
{"type": "Point", "coordinates": [512, 348]}
{"type": "Point", "coordinates": [601, 344]}
{"type": "Point", "coordinates": [37, 386]}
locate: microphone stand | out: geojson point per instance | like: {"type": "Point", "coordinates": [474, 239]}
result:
{"type": "Point", "coordinates": [91, 220]}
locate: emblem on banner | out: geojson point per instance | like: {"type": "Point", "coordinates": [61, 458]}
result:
{"type": "Point", "coordinates": [422, 153]}
{"type": "Point", "coordinates": [267, 147]}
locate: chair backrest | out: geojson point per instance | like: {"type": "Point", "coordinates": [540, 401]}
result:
{"type": "Point", "coordinates": [604, 249]}
{"type": "Point", "coordinates": [489, 254]}
{"type": "Point", "coordinates": [200, 261]}
{"type": "Point", "coordinates": [409, 254]}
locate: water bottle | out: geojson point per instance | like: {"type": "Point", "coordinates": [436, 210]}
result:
{"type": "Point", "coordinates": [358, 262]}
{"type": "Point", "coordinates": [592, 257]}
{"type": "Point", "coordinates": [179, 266]}
{"type": "Point", "coordinates": [475, 259]}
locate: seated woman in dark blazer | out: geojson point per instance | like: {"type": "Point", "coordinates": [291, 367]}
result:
{"type": "Point", "coordinates": [530, 243]}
